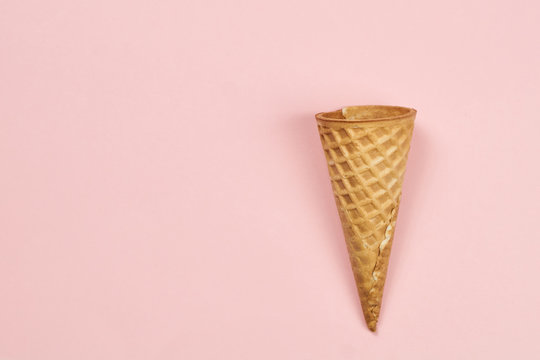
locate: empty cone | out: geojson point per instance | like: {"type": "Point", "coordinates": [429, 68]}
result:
{"type": "Point", "coordinates": [366, 150]}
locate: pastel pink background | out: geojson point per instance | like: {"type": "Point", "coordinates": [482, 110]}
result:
{"type": "Point", "coordinates": [164, 194]}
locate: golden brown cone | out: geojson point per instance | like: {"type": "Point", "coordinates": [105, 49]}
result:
{"type": "Point", "coordinates": [366, 150]}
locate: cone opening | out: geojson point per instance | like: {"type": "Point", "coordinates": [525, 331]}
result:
{"type": "Point", "coordinates": [367, 113]}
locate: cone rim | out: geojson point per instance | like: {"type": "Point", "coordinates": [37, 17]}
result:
{"type": "Point", "coordinates": [332, 116]}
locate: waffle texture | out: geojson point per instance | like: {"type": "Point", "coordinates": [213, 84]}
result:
{"type": "Point", "coordinates": [366, 150]}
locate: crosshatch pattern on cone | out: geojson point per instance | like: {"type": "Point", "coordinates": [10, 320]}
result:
{"type": "Point", "coordinates": [366, 160]}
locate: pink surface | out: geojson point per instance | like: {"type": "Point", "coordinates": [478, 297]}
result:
{"type": "Point", "coordinates": [164, 194]}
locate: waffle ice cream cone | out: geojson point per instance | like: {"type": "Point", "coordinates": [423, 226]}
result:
{"type": "Point", "coordinates": [366, 150]}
